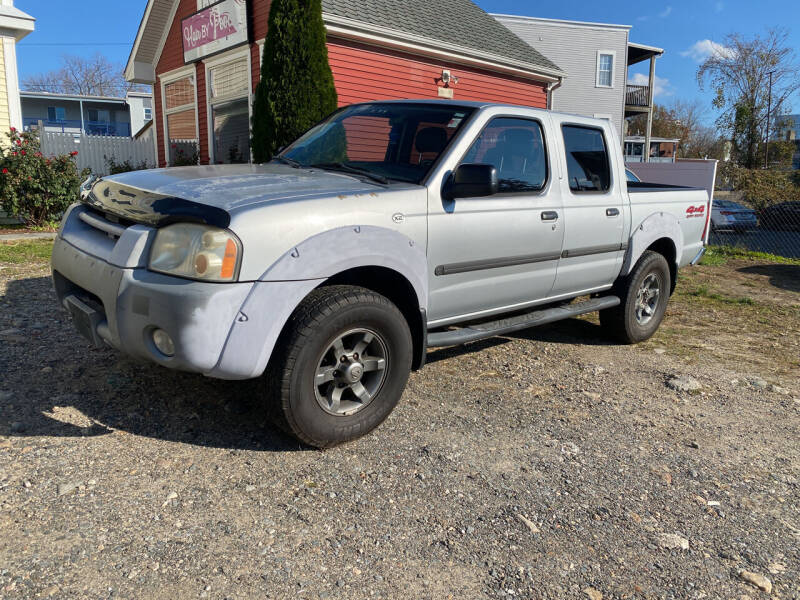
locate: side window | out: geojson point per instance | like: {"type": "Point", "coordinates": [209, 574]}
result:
{"type": "Point", "coordinates": [516, 149]}
{"type": "Point", "coordinates": [587, 159]}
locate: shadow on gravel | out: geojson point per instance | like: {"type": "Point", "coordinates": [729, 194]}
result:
{"type": "Point", "coordinates": [54, 384]}
{"type": "Point", "coordinates": [569, 331]}
{"type": "Point", "coordinates": [786, 277]}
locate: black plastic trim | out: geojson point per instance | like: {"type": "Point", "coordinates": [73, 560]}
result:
{"type": "Point", "coordinates": [594, 250]}
{"type": "Point", "coordinates": [423, 350]}
{"type": "Point", "coordinates": [493, 263]}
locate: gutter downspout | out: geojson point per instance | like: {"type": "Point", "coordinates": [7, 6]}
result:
{"type": "Point", "coordinates": [83, 126]}
{"type": "Point", "coordinates": [551, 87]}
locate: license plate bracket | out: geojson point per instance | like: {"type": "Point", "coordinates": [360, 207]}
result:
{"type": "Point", "coordinates": [86, 319]}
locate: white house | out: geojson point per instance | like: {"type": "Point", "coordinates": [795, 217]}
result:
{"type": "Point", "coordinates": [14, 25]}
{"type": "Point", "coordinates": [92, 115]}
{"type": "Point", "coordinates": [596, 57]}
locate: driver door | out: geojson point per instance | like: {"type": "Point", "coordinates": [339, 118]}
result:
{"type": "Point", "coordinates": [496, 253]}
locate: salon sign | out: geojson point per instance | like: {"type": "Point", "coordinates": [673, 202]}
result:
{"type": "Point", "coordinates": [217, 27]}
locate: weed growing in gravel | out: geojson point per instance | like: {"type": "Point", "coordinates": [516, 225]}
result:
{"type": "Point", "coordinates": [702, 291]}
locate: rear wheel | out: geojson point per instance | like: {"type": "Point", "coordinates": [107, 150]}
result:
{"type": "Point", "coordinates": [644, 295]}
{"type": "Point", "coordinates": [340, 366]}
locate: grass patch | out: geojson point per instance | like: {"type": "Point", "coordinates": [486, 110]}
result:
{"type": "Point", "coordinates": [702, 291]}
{"type": "Point", "coordinates": [719, 255]}
{"type": "Point", "coordinates": [34, 251]}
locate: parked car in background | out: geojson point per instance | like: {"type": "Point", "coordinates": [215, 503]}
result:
{"type": "Point", "coordinates": [726, 214]}
{"type": "Point", "coordinates": [784, 216]}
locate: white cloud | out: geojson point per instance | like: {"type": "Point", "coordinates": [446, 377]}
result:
{"type": "Point", "coordinates": [665, 13]}
{"type": "Point", "coordinates": [662, 86]}
{"type": "Point", "coordinates": [702, 49]}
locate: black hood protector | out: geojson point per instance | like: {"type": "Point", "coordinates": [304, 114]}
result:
{"type": "Point", "coordinates": [148, 208]}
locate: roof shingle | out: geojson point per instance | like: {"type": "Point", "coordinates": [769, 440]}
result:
{"type": "Point", "coordinates": [457, 22]}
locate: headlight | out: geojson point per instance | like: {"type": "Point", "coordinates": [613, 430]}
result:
{"type": "Point", "coordinates": [196, 251]}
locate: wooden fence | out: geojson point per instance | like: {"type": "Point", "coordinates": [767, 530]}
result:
{"type": "Point", "coordinates": [95, 150]}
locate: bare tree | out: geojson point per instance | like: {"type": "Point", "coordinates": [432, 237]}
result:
{"type": "Point", "coordinates": [95, 76]}
{"type": "Point", "coordinates": [738, 73]}
{"type": "Point", "coordinates": [684, 120]}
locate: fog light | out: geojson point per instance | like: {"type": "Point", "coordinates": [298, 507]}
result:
{"type": "Point", "coordinates": [163, 342]}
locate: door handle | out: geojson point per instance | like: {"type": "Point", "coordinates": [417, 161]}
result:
{"type": "Point", "coordinates": [549, 215]}
{"type": "Point", "coordinates": [612, 212]}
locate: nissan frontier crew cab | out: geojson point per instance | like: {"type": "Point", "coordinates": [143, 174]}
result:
{"type": "Point", "coordinates": [387, 229]}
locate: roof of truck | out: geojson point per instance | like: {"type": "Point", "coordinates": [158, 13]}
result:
{"type": "Point", "coordinates": [475, 104]}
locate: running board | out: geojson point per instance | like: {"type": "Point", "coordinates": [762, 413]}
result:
{"type": "Point", "coordinates": [473, 333]}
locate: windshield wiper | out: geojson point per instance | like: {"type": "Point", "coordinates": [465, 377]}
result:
{"type": "Point", "coordinates": [340, 166]}
{"type": "Point", "coordinates": [287, 161]}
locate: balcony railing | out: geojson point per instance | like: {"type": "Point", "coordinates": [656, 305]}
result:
{"type": "Point", "coordinates": [637, 95]}
{"type": "Point", "coordinates": [74, 126]}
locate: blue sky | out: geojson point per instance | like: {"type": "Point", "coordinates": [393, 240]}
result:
{"type": "Point", "coordinates": [683, 28]}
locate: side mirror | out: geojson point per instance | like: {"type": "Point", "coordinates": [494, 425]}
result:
{"type": "Point", "coordinates": [470, 181]}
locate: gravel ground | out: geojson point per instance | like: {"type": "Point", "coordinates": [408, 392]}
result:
{"type": "Point", "coordinates": [546, 465]}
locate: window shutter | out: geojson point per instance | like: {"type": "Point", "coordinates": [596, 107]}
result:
{"type": "Point", "coordinates": [228, 80]}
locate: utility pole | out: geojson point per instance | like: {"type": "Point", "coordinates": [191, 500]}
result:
{"type": "Point", "coordinates": [769, 110]}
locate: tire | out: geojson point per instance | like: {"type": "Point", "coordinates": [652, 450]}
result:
{"type": "Point", "coordinates": [632, 322]}
{"type": "Point", "coordinates": [318, 354]}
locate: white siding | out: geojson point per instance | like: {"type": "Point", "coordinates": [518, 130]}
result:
{"type": "Point", "coordinates": [574, 48]}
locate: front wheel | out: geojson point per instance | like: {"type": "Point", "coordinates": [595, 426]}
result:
{"type": "Point", "coordinates": [340, 366]}
{"type": "Point", "coordinates": [644, 295]}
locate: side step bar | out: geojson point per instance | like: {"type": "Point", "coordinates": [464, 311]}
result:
{"type": "Point", "coordinates": [482, 331]}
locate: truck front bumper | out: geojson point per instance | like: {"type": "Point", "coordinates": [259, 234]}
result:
{"type": "Point", "coordinates": [123, 307]}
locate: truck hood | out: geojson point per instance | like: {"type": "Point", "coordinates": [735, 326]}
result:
{"type": "Point", "coordinates": [212, 193]}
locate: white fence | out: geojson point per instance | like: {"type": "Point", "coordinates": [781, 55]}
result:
{"type": "Point", "coordinates": [93, 150]}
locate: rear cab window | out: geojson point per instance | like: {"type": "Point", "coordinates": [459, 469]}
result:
{"type": "Point", "coordinates": [588, 168]}
{"type": "Point", "coordinates": [516, 149]}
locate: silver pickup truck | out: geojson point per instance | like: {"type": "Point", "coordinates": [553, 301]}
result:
{"type": "Point", "coordinates": [385, 230]}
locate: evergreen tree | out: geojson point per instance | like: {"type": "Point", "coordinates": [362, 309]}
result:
{"type": "Point", "coordinates": [296, 89]}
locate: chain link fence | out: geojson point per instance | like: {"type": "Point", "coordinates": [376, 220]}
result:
{"type": "Point", "coordinates": [774, 229]}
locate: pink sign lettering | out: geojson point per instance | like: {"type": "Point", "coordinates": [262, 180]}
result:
{"type": "Point", "coordinates": [207, 26]}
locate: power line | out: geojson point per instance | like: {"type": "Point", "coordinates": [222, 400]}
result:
{"type": "Point", "coordinates": [73, 44]}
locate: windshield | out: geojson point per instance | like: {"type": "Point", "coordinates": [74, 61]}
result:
{"type": "Point", "coordinates": [384, 141]}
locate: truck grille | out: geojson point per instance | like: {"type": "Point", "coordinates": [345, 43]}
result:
{"type": "Point", "coordinates": [105, 223]}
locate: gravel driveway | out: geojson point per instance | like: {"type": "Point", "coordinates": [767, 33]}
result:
{"type": "Point", "coordinates": [546, 465]}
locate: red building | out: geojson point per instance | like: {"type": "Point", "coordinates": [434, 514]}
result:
{"type": "Point", "coordinates": [203, 60]}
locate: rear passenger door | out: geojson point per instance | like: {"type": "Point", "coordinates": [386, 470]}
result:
{"type": "Point", "coordinates": [491, 253]}
{"type": "Point", "coordinates": [593, 206]}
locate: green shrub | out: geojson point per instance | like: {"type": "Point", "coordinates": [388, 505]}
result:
{"type": "Point", "coordinates": [182, 158]}
{"type": "Point", "coordinates": [761, 188]}
{"type": "Point", "coordinates": [33, 187]}
{"type": "Point", "coordinates": [125, 166]}
{"type": "Point", "coordinates": [296, 89]}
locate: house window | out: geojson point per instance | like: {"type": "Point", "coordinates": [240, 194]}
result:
{"type": "Point", "coordinates": [180, 110]}
{"type": "Point", "coordinates": [605, 69]}
{"type": "Point", "coordinates": [99, 116]}
{"type": "Point", "coordinates": [56, 113]}
{"type": "Point", "coordinates": [148, 113]}
{"type": "Point", "coordinates": [229, 105]}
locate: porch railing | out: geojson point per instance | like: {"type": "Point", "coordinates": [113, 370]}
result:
{"type": "Point", "coordinates": [637, 95]}
{"type": "Point", "coordinates": [111, 128]}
